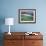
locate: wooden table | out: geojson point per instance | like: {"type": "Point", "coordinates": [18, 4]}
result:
{"type": "Point", "coordinates": [20, 39]}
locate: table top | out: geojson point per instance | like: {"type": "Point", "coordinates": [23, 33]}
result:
{"type": "Point", "coordinates": [22, 35]}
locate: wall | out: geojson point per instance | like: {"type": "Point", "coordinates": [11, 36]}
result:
{"type": "Point", "coordinates": [9, 8]}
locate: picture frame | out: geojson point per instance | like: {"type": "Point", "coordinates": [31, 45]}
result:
{"type": "Point", "coordinates": [27, 15]}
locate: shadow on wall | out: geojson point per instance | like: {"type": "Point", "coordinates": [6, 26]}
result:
{"type": "Point", "coordinates": [2, 21]}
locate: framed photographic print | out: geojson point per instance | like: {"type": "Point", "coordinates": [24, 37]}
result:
{"type": "Point", "coordinates": [27, 15]}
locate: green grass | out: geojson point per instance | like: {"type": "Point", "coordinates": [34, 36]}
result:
{"type": "Point", "coordinates": [26, 18]}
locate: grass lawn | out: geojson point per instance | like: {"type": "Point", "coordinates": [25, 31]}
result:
{"type": "Point", "coordinates": [26, 18]}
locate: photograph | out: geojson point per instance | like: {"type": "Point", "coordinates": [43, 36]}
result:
{"type": "Point", "coordinates": [27, 15]}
